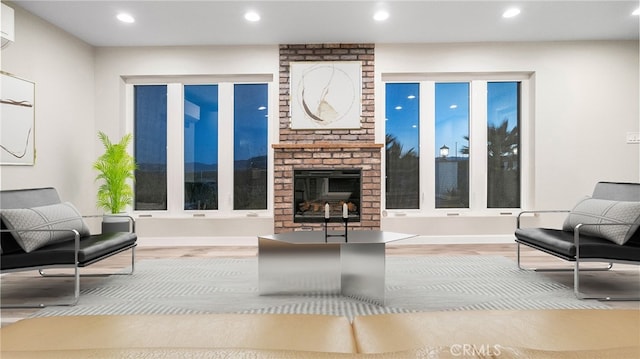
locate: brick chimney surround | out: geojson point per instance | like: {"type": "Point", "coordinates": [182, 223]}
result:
{"type": "Point", "coordinates": [330, 148]}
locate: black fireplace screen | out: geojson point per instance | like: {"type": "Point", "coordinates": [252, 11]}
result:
{"type": "Point", "coordinates": [313, 189]}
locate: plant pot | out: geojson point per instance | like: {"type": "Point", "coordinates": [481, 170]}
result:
{"type": "Point", "coordinates": [115, 223]}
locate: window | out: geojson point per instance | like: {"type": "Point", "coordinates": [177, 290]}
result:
{"type": "Point", "coordinates": [150, 147]}
{"type": "Point", "coordinates": [402, 145]}
{"type": "Point", "coordinates": [452, 132]}
{"type": "Point", "coordinates": [201, 147]}
{"type": "Point", "coordinates": [503, 142]}
{"type": "Point", "coordinates": [453, 145]}
{"type": "Point", "coordinates": [250, 146]}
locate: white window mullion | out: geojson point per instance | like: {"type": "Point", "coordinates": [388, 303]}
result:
{"type": "Point", "coordinates": [175, 148]}
{"type": "Point", "coordinates": [478, 146]}
{"type": "Point", "coordinates": [380, 135]}
{"type": "Point", "coordinates": [225, 148]}
{"type": "Point", "coordinates": [427, 145]}
{"type": "Point", "coordinates": [273, 135]}
{"type": "Point", "coordinates": [129, 99]}
{"type": "Point", "coordinates": [130, 126]}
{"type": "Point", "coordinates": [526, 136]}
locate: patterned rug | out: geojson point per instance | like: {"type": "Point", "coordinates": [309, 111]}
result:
{"type": "Point", "coordinates": [230, 285]}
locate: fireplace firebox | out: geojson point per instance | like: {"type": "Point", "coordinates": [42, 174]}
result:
{"type": "Point", "coordinates": [314, 188]}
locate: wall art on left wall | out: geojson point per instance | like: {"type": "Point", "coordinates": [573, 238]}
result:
{"type": "Point", "coordinates": [17, 121]}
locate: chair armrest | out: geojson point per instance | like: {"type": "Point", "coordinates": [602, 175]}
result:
{"type": "Point", "coordinates": [76, 236]}
{"type": "Point", "coordinates": [539, 211]}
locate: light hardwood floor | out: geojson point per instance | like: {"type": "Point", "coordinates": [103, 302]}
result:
{"type": "Point", "coordinates": [621, 276]}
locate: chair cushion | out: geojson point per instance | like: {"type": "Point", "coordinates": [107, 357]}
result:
{"type": "Point", "coordinates": [50, 217]}
{"type": "Point", "coordinates": [92, 249]}
{"type": "Point", "coordinates": [465, 351]}
{"type": "Point", "coordinates": [561, 243]}
{"type": "Point", "coordinates": [596, 211]}
{"type": "Point", "coordinates": [303, 332]}
{"type": "Point", "coordinates": [494, 330]}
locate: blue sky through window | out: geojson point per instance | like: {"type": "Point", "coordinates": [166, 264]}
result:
{"type": "Point", "coordinates": [403, 114]}
{"type": "Point", "coordinates": [201, 113]}
{"type": "Point", "coordinates": [452, 117]}
{"type": "Point", "coordinates": [250, 121]}
{"type": "Point", "coordinates": [451, 112]}
{"type": "Point", "coordinates": [151, 124]}
{"type": "Point", "coordinates": [502, 103]}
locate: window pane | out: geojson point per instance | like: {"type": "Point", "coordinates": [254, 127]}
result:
{"type": "Point", "coordinates": [452, 145]}
{"type": "Point", "coordinates": [150, 147]}
{"type": "Point", "coordinates": [201, 147]}
{"type": "Point", "coordinates": [503, 172]}
{"type": "Point", "coordinates": [250, 114]}
{"type": "Point", "coordinates": [402, 145]}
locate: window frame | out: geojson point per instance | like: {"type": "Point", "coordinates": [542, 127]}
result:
{"type": "Point", "coordinates": [477, 142]}
{"type": "Point", "coordinates": [175, 142]}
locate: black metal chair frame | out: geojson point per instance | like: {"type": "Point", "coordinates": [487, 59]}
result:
{"type": "Point", "coordinates": [576, 260]}
{"type": "Point", "coordinates": [75, 266]}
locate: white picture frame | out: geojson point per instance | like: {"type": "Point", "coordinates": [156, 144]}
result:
{"type": "Point", "coordinates": [326, 95]}
{"type": "Point", "coordinates": [17, 121]}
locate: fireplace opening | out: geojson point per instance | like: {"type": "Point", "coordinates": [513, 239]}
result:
{"type": "Point", "coordinates": [314, 188]}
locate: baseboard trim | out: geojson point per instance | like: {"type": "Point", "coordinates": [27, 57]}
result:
{"type": "Point", "coordinates": [478, 239]}
{"type": "Point", "coordinates": [253, 241]}
{"type": "Point", "coordinates": [196, 241]}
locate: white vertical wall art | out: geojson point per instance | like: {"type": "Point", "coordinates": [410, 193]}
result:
{"type": "Point", "coordinates": [326, 95]}
{"type": "Point", "coordinates": [17, 121]}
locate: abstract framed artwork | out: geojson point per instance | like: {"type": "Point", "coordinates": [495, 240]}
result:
{"type": "Point", "coordinates": [326, 95]}
{"type": "Point", "coordinates": [17, 121]}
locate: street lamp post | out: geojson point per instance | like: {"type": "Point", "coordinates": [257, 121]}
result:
{"type": "Point", "coordinates": [444, 151]}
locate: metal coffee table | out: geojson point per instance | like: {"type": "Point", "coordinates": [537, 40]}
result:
{"type": "Point", "coordinates": [302, 262]}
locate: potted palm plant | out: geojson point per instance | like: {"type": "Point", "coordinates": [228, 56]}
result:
{"type": "Point", "coordinates": [116, 171]}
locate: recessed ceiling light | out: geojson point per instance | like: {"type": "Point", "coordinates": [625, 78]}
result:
{"type": "Point", "coordinates": [381, 15]}
{"type": "Point", "coordinates": [453, 107]}
{"type": "Point", "coordinates": [637, 12]}
{"type": "Point", "coordinates": [126, 18]}
{"type": "Point", "coordinates": [411, 97]}
{"type": "Point", "coordinates": [252, 16]}
{"type": "Point", "coordinates": [511, 13]}
{"type": "Point", "coordinates": [262, 108]}
{"type": "Point", "coordinates": [398, 107]}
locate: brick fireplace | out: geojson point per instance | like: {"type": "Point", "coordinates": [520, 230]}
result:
{"type": "Point", "coordinates": [327, 148]}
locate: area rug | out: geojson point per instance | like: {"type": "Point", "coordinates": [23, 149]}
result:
{"type": "Point", "coordinates": [413, 284]}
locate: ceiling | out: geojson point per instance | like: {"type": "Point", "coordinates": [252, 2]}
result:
{"type": "Point", "coordinates": [183, 23]}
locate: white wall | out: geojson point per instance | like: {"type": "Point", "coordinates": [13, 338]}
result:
{"type": "Point", "coordinates": [586, 99]}
{"type": "Point", "coordinates": [62, 68]}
